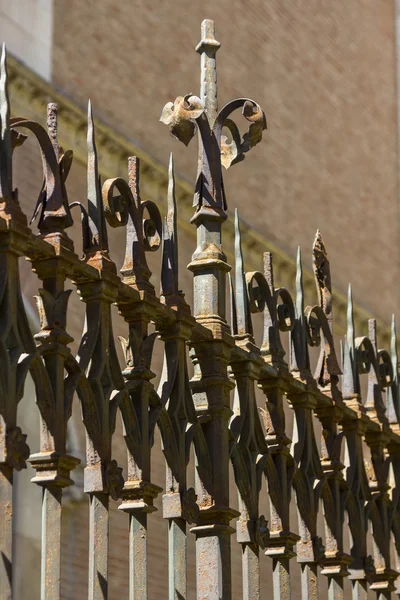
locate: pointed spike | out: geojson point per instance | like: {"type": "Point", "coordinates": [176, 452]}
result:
{"type": "Point", "coordinates": [299, 285]}
{"type": "Point", "coordinates": [233, 306]}
{"type": "Point", "coordinates": [350, 318]}
{"type": "Point", "coordinates": [350, 376]}
{"type": "Point", "coordinates": [240, 285]}
{"type": "Point", "coordinates": [95, 201]}
{"type": "Point", "coordinates": [166, 264]}
{"type": "Point", "coordinates": [350, 384]}
{"type": "Point", "coordinates": [393, 335]}
{"type": "Point", "coordinates": [393, 408]}
{"type": "Point", "coordinates": [393, 349]}
{"type": "Point", "coordinates": [5, 135]}
{"type": "Point", "coordinates": [172, 216]}
{"type": "Point", "coordinates": [341, 350]}
{"type": "Point", "coordinates": [299, 358]}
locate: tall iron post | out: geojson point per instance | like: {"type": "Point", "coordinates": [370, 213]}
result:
{"type": "Point", "coordinates": [210, 384]}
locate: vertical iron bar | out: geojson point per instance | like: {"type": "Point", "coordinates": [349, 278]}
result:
{"type": "Point", "coordinates": [213, 560]}
{"type": "Point", "coordinates": [98, 547]}
{"type": "Point", "coordinates": [281, 578]}
{"type": "Point", "coordinates": [309, 581]}
{"type": "Point", "coordinates": [51, 539]}
{"type": "Point", "coordinates": [6, 484]}
{"type": "Point", "coordinates": [137, 555]}
{"type": "Point", "coordinates": [335, 588]}
{"type": "Point", "coordinates": [359, 590]}
{"type": "Point", "coordinates": [383, 595]}
{"type": "Point", "coordinates": [251, 572]}
{"type": "Point", "coordinates": [177, 559]}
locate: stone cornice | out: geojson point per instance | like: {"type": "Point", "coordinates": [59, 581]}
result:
{"type": "Point", "coordinates": [29, 96]}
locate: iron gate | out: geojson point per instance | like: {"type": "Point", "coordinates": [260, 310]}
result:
{"type": "Point", "coordinates": [197, 414]}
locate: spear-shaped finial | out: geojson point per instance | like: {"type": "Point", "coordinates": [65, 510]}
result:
{"type": "Point", "coordinates": [207, 48]}
{"type": "Point", "coordinates": [169, 270]}
{"type": "Point", "coordinates": [299, 284]}
{"type": "Point", "coordinates": [172, 214]}
{"type": "Point", "coordinates": [350, 378]}
{"type": "Point", "coordinates": [95, 202]}
{"type": "Point", "coordinates": [242, 309]}
{"type": "Point", "coordinates": [393, 408]}
{"type": "Point", "coordinates": [299, 358]}
{"type": "Point", "coordinates": [5, 135]}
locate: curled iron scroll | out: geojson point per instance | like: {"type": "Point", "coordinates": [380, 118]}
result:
{"type": "Point", "coordinates": [118, 208]}
{"type": "Point", "coordinates": [367, 358]}
{"type": "Point", "coordinates": [259, 297]}
{"type": "Point", "coordinates": [234, 151]}
{"type": "Point", "coordinates": [52, 196]}
{"type": "Point", "coordinates": [318, 329]}
{"type": "Point", "coordinates": [285, 311]}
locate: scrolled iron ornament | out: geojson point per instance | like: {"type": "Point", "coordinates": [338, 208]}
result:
{"type": "Point", "coordinates": [181, 116]}
{"type": "Point", "coordinates": [118, 209]}
{"type": "Point", "coordinates": [318, 329]}
{"type": "Point", "coordinates": [52, 203]}
{"type": "Point", "coordinates": [189, 113]}
{"type": "Point", "coordinates": [234, 152]}
{"type": "Point", "coordinates": [259, 295]}
{"type": "Point", "coordinates": [17, 449]}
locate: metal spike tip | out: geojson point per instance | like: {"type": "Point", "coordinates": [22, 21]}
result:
{"type": "Point", "coordinates": [171, 183]}
{"type": "Point", "coordinates": [299, 266]}
{"type": "Point", "coordinates": [393, 340]}
{"type": "Point", "coordinates": [3, 67]}
{"type": "Point", "coordinates": [350, 324]}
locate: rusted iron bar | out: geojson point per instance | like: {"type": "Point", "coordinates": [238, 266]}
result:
{"type": "Point", "coordinates": [51, 536]}
{"type": "Point", "coordinates": [98, 546]}
{"type": "Point", "coordinates": [6, 537]}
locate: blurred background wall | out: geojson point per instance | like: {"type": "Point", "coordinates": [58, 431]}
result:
{"type": "Point", "coordinates": [324, 72]}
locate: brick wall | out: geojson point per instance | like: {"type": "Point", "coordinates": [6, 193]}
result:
{"type": "Point", "coordinates": [323, 71]}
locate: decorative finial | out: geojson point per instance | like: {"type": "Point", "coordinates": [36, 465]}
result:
{"type": "Point", "coordinates": [189, 113]}
{"type": "Point", "coordinates": [393, 408]}
{"type": "Point", "coordinates": [172, 214]}
{"type": "Point", "coordinates": [350, 377]}
{"type": "Point", "coordinates": [5, 135]}
{"type": "Point", "coordinates": [95, 202]}
{"type": "Point", "coordinates": [299, 358]}
{"type": "Point", "coordinates": [169, 270]}
{"type": "Point", "coordinates": [299, 285]}
{"type": "Point", "coordinates": [242, 310]}
{"type": "Point", "coordinates": [207, 48]}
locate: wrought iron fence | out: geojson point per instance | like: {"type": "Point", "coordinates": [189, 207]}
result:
{"type": "Point", "coordinates": [196, 414]}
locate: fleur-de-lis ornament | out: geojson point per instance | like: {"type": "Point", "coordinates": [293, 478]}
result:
{"type": "Point", "coordinates": [189, 114]}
